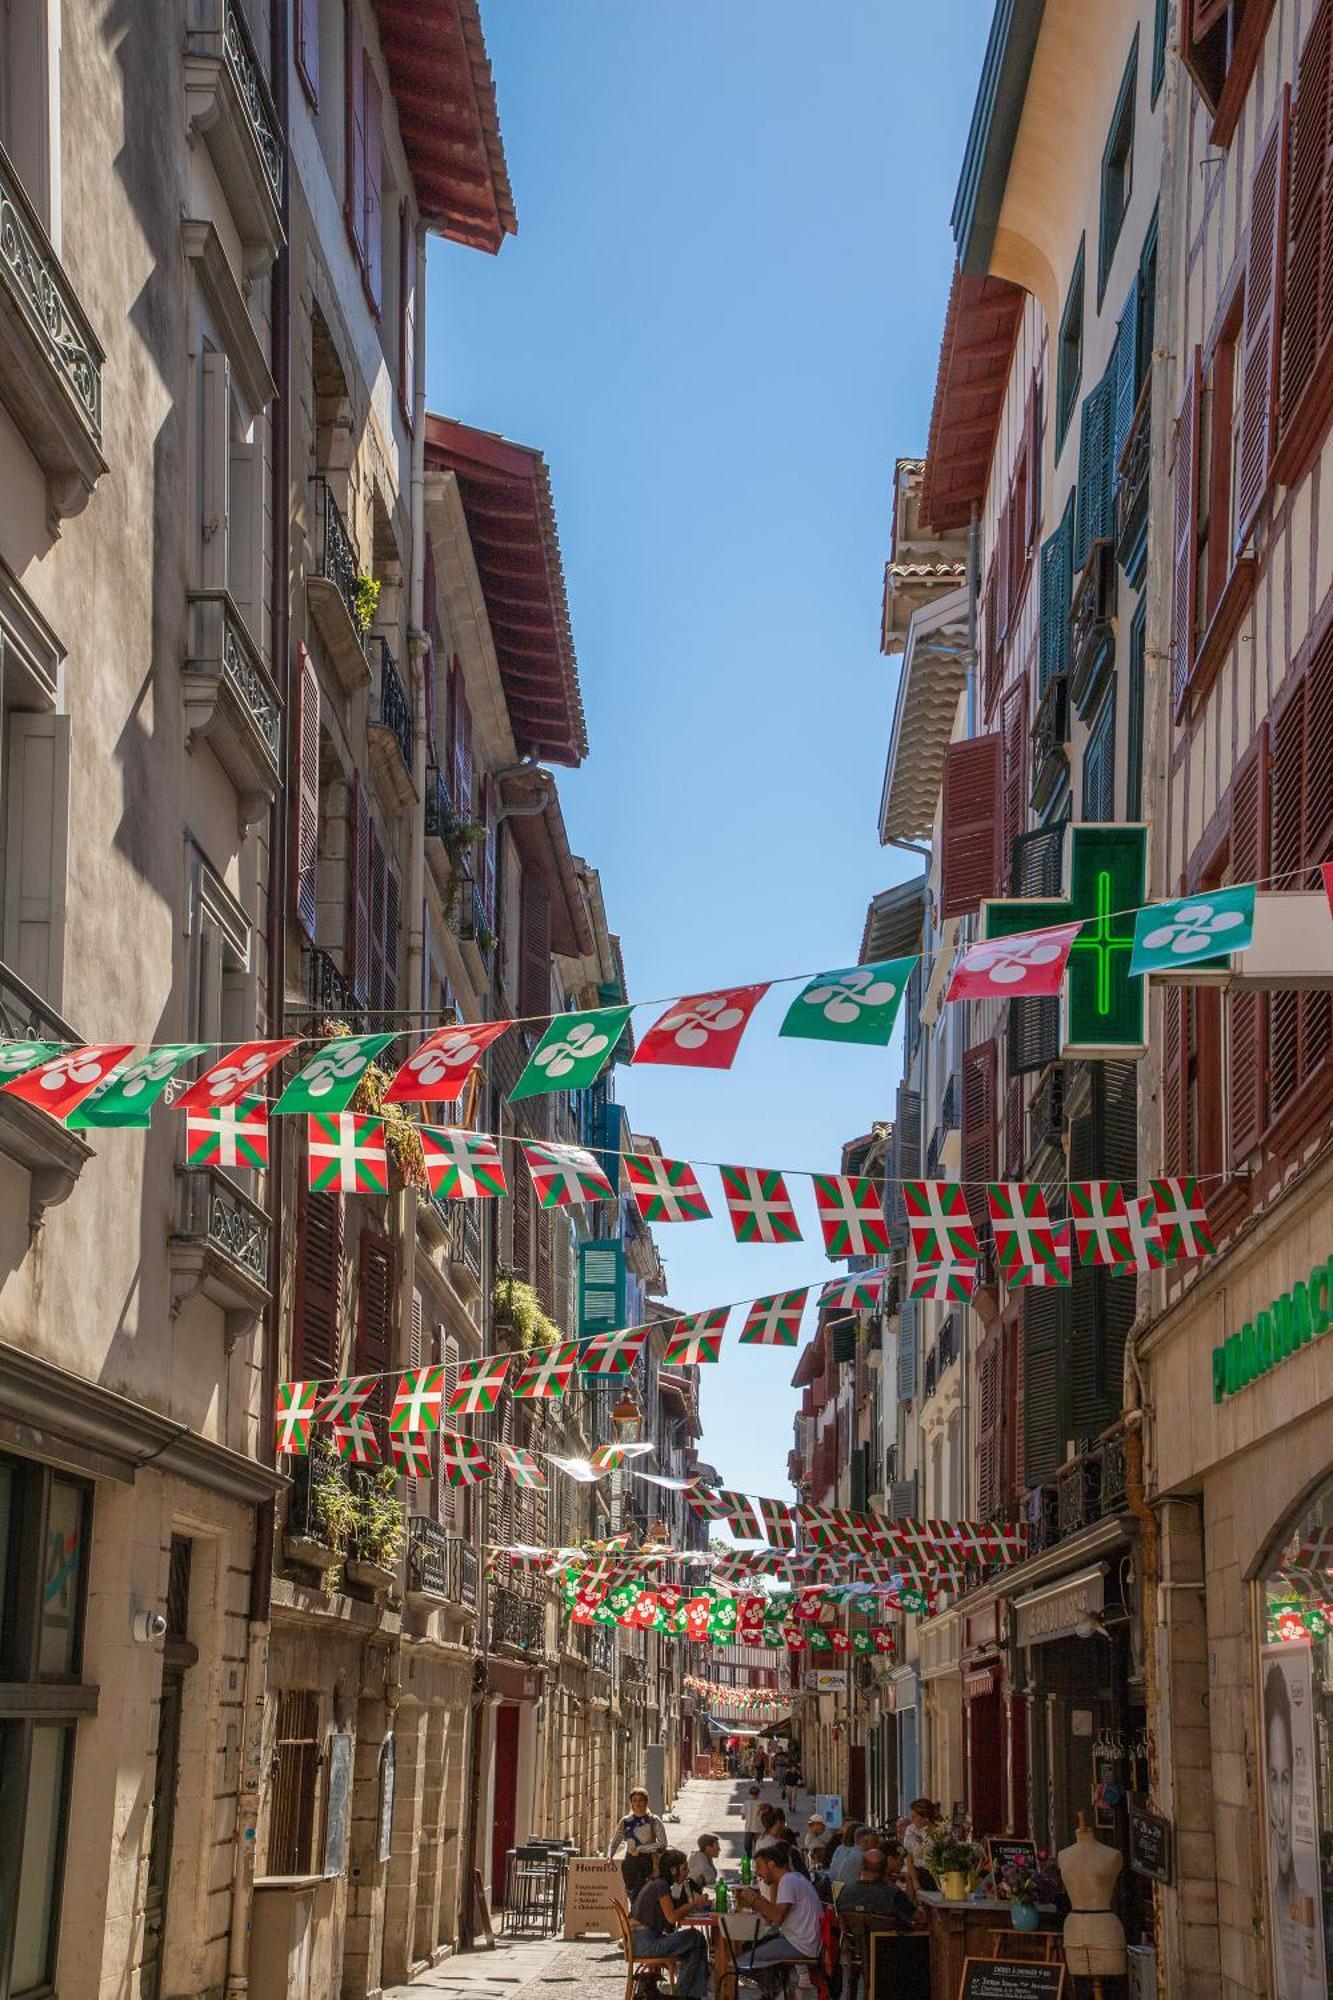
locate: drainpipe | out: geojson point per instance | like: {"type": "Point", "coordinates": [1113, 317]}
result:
{"type": "Point", "coordinates": [418, 646]}
{"type": "Point", "coordinates": [255, 1679]}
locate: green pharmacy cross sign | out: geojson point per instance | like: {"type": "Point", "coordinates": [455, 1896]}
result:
{"type": "Point", "coordinates": [1102, 1010]}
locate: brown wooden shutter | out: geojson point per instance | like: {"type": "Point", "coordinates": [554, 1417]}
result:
{"type": "Point", "coordinates": [373, 232]}
{"type": "Point", "coordinates": [988, 1408]}
{"type": "Point", "coordinates": [460, 727]}
{"type": "Point", "coordinates": [1263, 281]}
{"type": "Point", "coordinates": [1300, 836]}
{"type": "Point", "coordinates": [1247, 1018]}
{"type": "Point", "coordinates": [1175, 1106]}
{"type": "Point", "coordinates": [979, 1148]}
{"type": "Point", "coordinates": [307, 46]}
{"type": "Point", "coordinates": [374, 1320]}
{"type": "Point", "coordinates": [1002, 532]}
{"type": "Point", "coordinates": [1014, 730]}
{"type": "Point", "coordinates": [305, 816]}
{"type": "Point", "coordinates": [1306, 303]}
{"type": "Point", "coordinates": [354, 192]}
{"type": "Point", "coordinates": [522, 1217]}
{"type": "Point", "coordinates": [972, 862]}
{"type": "Point", "coordinates": [1186, 534]}
{"type": "Point", "coordinates": [1204, 16]}
{"type": "Point", "coordinates": [316, 1314]}
{"type": "Point", "coordinates": [392, 919]}
{"type": "Point", "coordinates": [378, 917]}
{"type": "Point", "coordinates": [991, 656]}
{"type": "Point", "coordinates": [357, 967]}
{"type": "Point", "coordinates": [545, 1223]}
{"type": "Point", "coordinates": [534, 951]}
{"type": "Point", "coordinates": [1014, 1148]}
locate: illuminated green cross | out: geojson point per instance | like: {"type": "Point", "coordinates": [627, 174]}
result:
{"type": "Point", "coordinates": [1102, 1010]}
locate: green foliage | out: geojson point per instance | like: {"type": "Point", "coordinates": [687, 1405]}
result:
{"type": "Point", "coordinates": [332, 1516]}
{"type": "Point", "coordinates": [377, 1529]}
{"type": "Point", "coordinates": [517, 1306]}
{"type": "Point", "coordinates": [365, 599]}
{"type": "Point", "coordinates": [948, 1855]}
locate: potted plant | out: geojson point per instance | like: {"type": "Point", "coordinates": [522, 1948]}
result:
{"type": "Point", "coordinates": [319, 1541]}
{"type": "Point", "coordinates": [951, 1861]}
{"type": "Point", "coordinates": [377, 1531]}
{"type": "Point", "coordinates": [519, 1311]}
{"type": "Point", "coordinates": [1027, 1884]}
{"type": "Point", "coordinates": [365, 597]}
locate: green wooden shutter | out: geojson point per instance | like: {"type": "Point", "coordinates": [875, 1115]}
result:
{"type": "Point", "coordinates": [1045, 1424]}
{"type": "Point", "coordinates": [1103, 1145]}
{"type": "Point", "coordinates": [1099, 765]}
{"type": "Point", "coordinates": [1125, 371]}
{"type": "Point", "coordinates": [1057, 583]}
{"type": "Point", "coordinates": [1092, 515]}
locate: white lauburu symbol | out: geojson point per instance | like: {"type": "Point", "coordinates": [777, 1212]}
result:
{"type": "Point", "coordinates": [81, 1066]}
{"type": "Point", "coordinates": [1193, 927]}
{"type": "Point", "coordinates": [691, 1026]}
{"type": "Point", "coordinates": [233, 1077]}
{"type": "Point", "coordinates": [581, 1044]}
{"type": "Point", "coordinates": [150, 1069]}
{"type": "Point", "coordinates": [431, 1066]}
{"type": "Point", "coordinates": [333, 1066]}
{"type": "Point", "coordinates": [842, 995]}
{"type": "Point", "coordinates": [19, 1057]}
{"type": "Point", "coordinates": [1009, 960]}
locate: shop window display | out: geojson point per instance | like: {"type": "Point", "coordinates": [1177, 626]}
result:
{"type": "Point", "coordinates": [1296, 1709]}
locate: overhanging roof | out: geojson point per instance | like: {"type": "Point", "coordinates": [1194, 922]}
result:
{"type": "Point", "coordinates": [445, 95]}
{"type": "Point", "coordinates": [506, 493]}
{"type": "Point", "coordinates": [980, 328]}
{"type": "Point", "coordinates": [932, 677]}
{"type": "Point", "coordinates": [994, 129]}
{"type": "Point", "coordinates": [543, 847]}
{"type": "Point", "coordinates": [894, 922]}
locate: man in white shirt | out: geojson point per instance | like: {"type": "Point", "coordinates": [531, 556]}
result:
{"type": "Point", "coordinates": [702, 1871]}
{"type": "Point", "coordinates": [789, 1902]}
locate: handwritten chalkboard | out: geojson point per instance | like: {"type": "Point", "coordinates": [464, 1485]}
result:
{"type": "Point", "coordinates": [339, 1811]}
{"type": "Point", "coordinates": [1010, 1979]}
{"type": "Point", "coordinates": [1002, 1852]}
{"type": "Point", "coordinates": [1149, 1845]}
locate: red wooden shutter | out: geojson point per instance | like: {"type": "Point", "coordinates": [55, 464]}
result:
{"type": "Point", "coordinates": [1032, 525]}
{"type": "Point", "coordinates": [354, 73]}
{"type": "Point", "coordinates": [988, 1417]}
{"type": "Point", "coordinates": [1014, 730]}
{"type": "Point", "coordinates": [489, 837]}
{"type": "Point", "coordinates": [357, 967]}
{"type": "Point", "coordinates": [1263, 265]}
{"type": "Point", "coordinates": [1186, 535]}
{"type": "Point", "coordinates": [1002, 568]}
{"type": "Point", "coordinates": [372, 231]}
{"type": "Point", "coordinates": [374, 1318]}
{"type": "Point", "coordinates": [1306, 305]}
{"type": "Point", "coordinates": [972, 862]}
{"type": "Point", "coordinates": [1014, 1144]}
{"type": "Point", "coordinates": [318, 1293]}
{"type": "Point", "coordinates": [534, 962]}
{"type": "Point", "coordinates": [407, 365]}
{"type": "Point", "coordinates": [305, 832]}
{"type": "Point", "coordinates": [307, 47]}
{"type": "Point", "coordinates": [1175, 1104]}
{"type": "Point", "coordinates": [990, 642]}
{"type": "Point", "coordinates": [1204, 16]}
{"type": "Point", "coordinates": [979, 1147]}
{"type": "Point", "coordinates": [1300, 835]}
{"type": "Point", "coordinates": [460, 725]}
{"type": "Point", "coordinates": [1246, 1026]}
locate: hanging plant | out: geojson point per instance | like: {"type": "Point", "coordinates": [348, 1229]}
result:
{"type": "Point", "coordinates": [332, 1515]}
{"type": "Point", "coordinates": [365, 600]}
{"type": "Point", "coordinates": [377, 1517]}
{"type": "Point", "coordinates": [402, 1138]}
{"type": "Point", "coordinates": [518, 1307]}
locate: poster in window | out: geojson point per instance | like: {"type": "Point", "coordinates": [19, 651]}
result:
{"type": "Point", "coordinates": [338, 1818]}
{"type": "Point", "coordinates": [1291, 1821]}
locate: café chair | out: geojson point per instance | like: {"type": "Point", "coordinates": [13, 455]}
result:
{"type": "Point", "coordinates": [735, 1973]}
{"type": "Point", "coordinates": [638, 1964]}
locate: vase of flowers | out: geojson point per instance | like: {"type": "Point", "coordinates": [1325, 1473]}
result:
{"type": "Point", "coordinates": [951, 1862]}
{"type": "Point", "coordinates": [1026, 1884]}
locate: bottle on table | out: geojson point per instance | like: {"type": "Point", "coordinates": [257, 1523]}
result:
{"type": "Point", "coordinates": [721, 1898]}
{"type": "Point", "coordinates": [747, 1870]}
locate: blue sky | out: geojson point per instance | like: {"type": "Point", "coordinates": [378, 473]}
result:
{"type": "Point", "coordinates": [720, 321]}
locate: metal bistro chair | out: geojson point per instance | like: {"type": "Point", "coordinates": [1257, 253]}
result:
{"type": "Point", "coordinates": [735, 1973]}
{"type": "Point", "coordinates": [637, 1963]}
{"type": "Point", "coordinates": [529, 1893]}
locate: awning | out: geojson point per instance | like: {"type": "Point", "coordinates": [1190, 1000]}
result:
{"type": "Point", "coordinates": [894, 922]}
{"type": "Point", "coordinates": [981, 1680]}
{"type": "Point", "coordinates": [930, 683]}
{"type": "Point", "coordinates": [442, 85]}
{"type": "Point", "coordinates": [980, 328]}
{"type": "Point", "coordinates": [1056, 1611]}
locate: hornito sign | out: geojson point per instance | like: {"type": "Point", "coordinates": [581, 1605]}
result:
{"type": "Point", "coordinates": [1290, 1323]}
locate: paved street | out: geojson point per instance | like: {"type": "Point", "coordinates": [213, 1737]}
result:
{"type": "Point", "coordinates": [547, 1966]}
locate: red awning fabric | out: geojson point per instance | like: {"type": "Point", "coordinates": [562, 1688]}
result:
{"type": "Point", "coordinates": [981, 1680]}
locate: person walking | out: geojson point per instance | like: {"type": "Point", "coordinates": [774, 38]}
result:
{"type": "Point", "coordinates": [752, 1818]}
{"type": "Point", "coordinates": [660, 1929]}
{"type": "Point", "coordinates": [760, 1766]}
{"type": "Point", "coordinates": [791, 1785]}
{"type": "Point", "coordinates": [643, 1838]}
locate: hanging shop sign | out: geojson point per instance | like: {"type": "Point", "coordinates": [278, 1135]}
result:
{"type": "Point", "coordinates": [1288, 1324]}
{"type": "Point", "coordinates": [1150, 1845]}
{"type": "Point", "coordinates": [828, 1680]}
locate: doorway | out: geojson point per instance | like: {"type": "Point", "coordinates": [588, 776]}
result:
{"type": "Point", "coordinates": [505, 1820]}
{"type": "Point", "coordinates": [178, 1656]}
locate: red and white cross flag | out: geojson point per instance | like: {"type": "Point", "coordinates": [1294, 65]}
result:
{"type": "Point", "coordinates": [708, 1506]}
{"type": "Point", "coordinates": [1022, 1226]}
{"type": "Point", "coordinates": [942, 1229]}
{"type": "Point", "coordinates": [665, 1190]}
{"type": "Point", "coordinates": [436, 1072]}
{"type": "Point", "coordinates": [613, 1353]}
{"type": "Point", "coordinates": [779, 1523]}
{"type": "Point", "coordinates": [479, 1383]}
{"type": "Point", "coordinates": [234, 1074]}
{"type": "Point", "coordinates": [462, 1166]}
{"type": "Point", "coordinates": [565, 1175]}
{"type": "Point", "coordinates": [56, 1087]}
{"type": "Point", "coordinates": [1182, 1217]}
{"type": "Point", "coordinates": [696, 1339]}
{"type": "Point", "coordinates": [759, 1205]}
{"type": "Point", "coordinates": [1145, 1236]}
{"type": "Point", "coordinates": [775, 1321]}
{"type": "Point", "coordinates": [1101, 1222]}
{"type": "Point", "coordinates": [462, 1460]}
{"type": "Point", "coordinates": [345, 1399]}
{"type": "Point", "coordinates": [851, 1216]}
{"type": "Point", "coordinates": [410, 1452]}
{"type": "Point", "coordinates": [356, 1439]}
{"type": "Point", "coordinates": [703, 1031]}
{"type": "Point", "coordinates": [230, 1135]}
{"type": "Point", "coordinates": [295, 1413]}
{"type": "Point", "coordinates": [945, 1283]}
{"type": "Point", "coordinates": [521, 1465]}
{"type": "Point", "coordinates": [740, 1515]}
{"type": "Point", "coordinates": [417, 1400]}
{"type": "Point", "coordinates": [856, 1294]}
{"type": "Point", "coordinates": [1057, 1273]}
{"type": "Point", "coordinates": [546, 1371]}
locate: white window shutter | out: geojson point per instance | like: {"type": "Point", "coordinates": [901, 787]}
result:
{"type": "Point", "coordinates": [36, 850]}
{"type": "Point", "coordinates": [245, 535]}
{"type": "Point", "coordinates": [214, 457]}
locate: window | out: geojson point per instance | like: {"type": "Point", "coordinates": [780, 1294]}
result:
{"type": "Point", "coordinates": [228, 466]}
{"type": "Point", "coordinates": [1307, 310]}
{"type": "Point", "coordinates": [221, 973]}
{"type": "Point", "coordinates": [1160, 12]}
{"type": "Point", "coordinates": [29, 96]}
{"type": "Point", "coordinates": [1069, 352]}
{"type": "Point", "coordinates": [374, 910]}
{"type": "Point", "coordinates": [1220, 42]}
{"type": "Point", "coordinates": [34, 795]}
{"type": "Point", "coordinates": [45, 1526]}
{"type": "Point", "coordinates": [1095, 508]}
{"type": "Point", "coordinates": [363, 194]}
{"type": "Point", "coordinates": [1117, 170]}
{"type": "Point", "coordinates": [1057, 585]}
{"type": "Point", "coordinates": [1099, 764]}
{"type": "Point", "coordinates": [295, 1776]}
{"type": "Point", "coordinates": [1215, 484]}
{"type": "Point", "coordinates": [1136, 709]}
{"type": "Point", "coordinates": [305, 39]}
{"type": "Point", "coordinates": [1213, 582]}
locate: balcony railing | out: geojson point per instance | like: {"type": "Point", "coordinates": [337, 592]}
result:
{"type": "Point", "coordinates": [633, 1672]}
{"type": "Point", "coordinates": [1091, 634]}
{"type": "Point", "coordinates": [1087, 1489]}
{"type": "Point", "coordinates": [221, 1242]}
{"type": "Point", "coordinates": [948, 1343]}
{"type": "Point", "coordinates": [230, 106]}
{"type": "Point", "coordinates": [50, 358]}
{"type": "Point", "coordinates": [441, 819]}
{"type": "Point", "coordinates": [230, 698]}
{"type": "Point", "coordinates": [443, 1564]}
{"type": "Point", "coordinates": [516, 1622]}
{"type": "Point", "coordinates": [391, 711]}
{"type": "Point", "coordinates": [332, 995]}
{"type": "Point", "coordinates": [332, 585]}
{"type": "Point", "coordinates": [463, 1222]}
{"type": "Point", "coordinates": [1050, 735]}
{"type": "Point", "coordinates": [1131, 491]}
{"type": "Point", "coordinates": [472, 920]}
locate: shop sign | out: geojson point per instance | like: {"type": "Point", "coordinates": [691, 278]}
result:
{"type": "Point", "coordinates": [594, 1890]}
{"type": "Point", "coordinates": [1150, 1845]}
{"type": "Point", "coordinates": [1290, 1323]}
{"type": "Point", "coordinates": [1010, 1979]}
{"type": "Point", "coordinates": [1057, 1613]}
{"type": "Point", "coordinates": [828, 1680]}
{"type": "Point", "coordinates": [1021, 1853]}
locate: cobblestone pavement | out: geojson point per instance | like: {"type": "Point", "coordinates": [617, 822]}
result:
{"type": "Point", "coordinates": [548, 1968]}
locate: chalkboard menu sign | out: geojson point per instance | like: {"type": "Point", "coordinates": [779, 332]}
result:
{"type": "Point", "coordinates": [1002, 1852]}
{"type": "Point", "coordinates": [1149, 1845]}
{"type": "Point", "coordinates": [339, 1813]}
{"type": "Point", "coordinates": [1010, 1979]}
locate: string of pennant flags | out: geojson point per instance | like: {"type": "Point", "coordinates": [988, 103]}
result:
{"type": "Point", "coordinates": [117, 1084]}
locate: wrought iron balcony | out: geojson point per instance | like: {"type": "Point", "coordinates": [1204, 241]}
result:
{"type": "Point", "coordinates": [463, 1222]}
{"type": "Point", "coordinates": [441, 819]}
{"type": "Point", "coordinates": [633, 1673]}
{"type": "Point", "coordinates": [331, 585]}
{"type": "Point", "coordinates": [1131, 489]}
{"type": "Point", "coordinates": [1050, 737]}
{"type": "Point", "coordinates": [951, 1105]}
{"type": "Point", "coordinates": [471, 919]}
{"type": "Point", "coordinates": [948, 1343]}
{"type": "Point", "coordinates": [50, 358]}
{"type": "Point", "coordinates": [441, 1564]}
{"type": "Point", "coordinates": [52, 1154]}
{"type": "Point", "coordinates": [230, 698]}
{"type": "Point", "coordinates": [230, 107]}
{"type": "Point", "coordinates": [1087, 1489]}
{"type": "Point", "coordinates": [220, 1245]}
{"type": "Point", "coordinates": [1091, 631]}
{"type": "Point", "coordinates": [332, 995]}
{"type": "Point", "coordinates": [518, 1623]}
{"type": "Point", "coordinates": [601, 1648]}
{"type": "Point", "coordinates": [390, 728]}
{"type": "Point", "coordinates": [931, 1375]}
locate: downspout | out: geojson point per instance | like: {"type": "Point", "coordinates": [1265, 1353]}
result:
{"type": "Point", "coordinates": [255, 1680]}
{"type": "Point", "coordinates": [418, 646]}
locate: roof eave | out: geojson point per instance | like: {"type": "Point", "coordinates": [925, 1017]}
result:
{"type": "Point", "coordinates": [996, 114]}
{"type": "Point", "coordinates": [923, 718]}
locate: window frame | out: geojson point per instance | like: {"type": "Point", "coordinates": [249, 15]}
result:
{"type": "Point", "coordinates": [210, 905]}
{"type": "Point", "coordinates": [1069, 373]}
{"type": "Point", "coordinates": [1223, 579]}
{"type": "Point", "coordinates": [1245, 24]}
{"type": "Point", "coordinates": [1120, 139]}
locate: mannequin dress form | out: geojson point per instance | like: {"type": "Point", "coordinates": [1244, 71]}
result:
{"type": "Point", "coordinates": [1094, 1934]}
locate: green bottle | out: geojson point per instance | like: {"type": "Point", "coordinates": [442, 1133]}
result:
{"type": "Point", "coordinates": [746, 1870]}
{"type": "Point", "coordinates": [721, 1898]}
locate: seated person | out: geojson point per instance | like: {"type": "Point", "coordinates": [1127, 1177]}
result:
{"type": "Point", "coordinates": [702, 1867]}
{"type": "Point", "coordinates": [657, 1929]}
{"type": "Point", "coordinates": [779, 1834]}
{"type": "Point", "coordinates": [880, 1891]}
{"type": "Point", "coordinates": [846, 1863]}
{"type": "Point", "coordinates": [789, 1902]}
